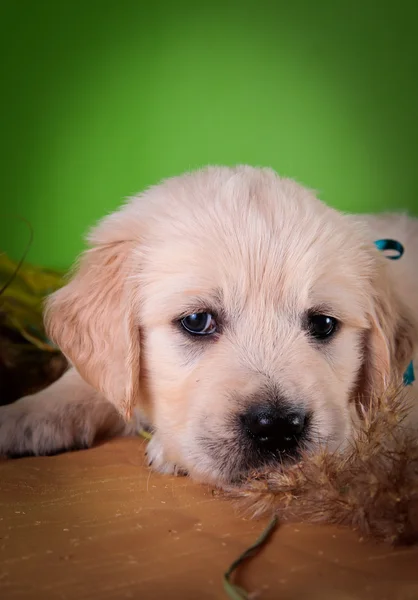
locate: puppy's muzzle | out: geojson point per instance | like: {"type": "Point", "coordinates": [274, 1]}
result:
{"type": "Point", "coordinates": [275, 430]}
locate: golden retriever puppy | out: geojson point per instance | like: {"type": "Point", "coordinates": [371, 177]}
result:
{"type": "Point", "coordinates": [236, 316]}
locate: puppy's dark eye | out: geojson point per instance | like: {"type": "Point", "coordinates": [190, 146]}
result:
{"type": "Point", "coordinates": [321, 327]}
{"type": "Point", "coordinates": [199, 324]}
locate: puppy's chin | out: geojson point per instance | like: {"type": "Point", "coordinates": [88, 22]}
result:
{"type": "Point", "coordinates": [233, 466]}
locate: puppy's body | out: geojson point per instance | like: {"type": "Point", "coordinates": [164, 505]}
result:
{"type": "Point", "coordinates": [269, 268]}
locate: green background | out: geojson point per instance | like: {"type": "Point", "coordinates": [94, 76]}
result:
{"type": "Point", "coordinates": [101, 99]}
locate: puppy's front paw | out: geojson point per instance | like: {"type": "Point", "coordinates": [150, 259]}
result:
{"type": "Point", "coordinates": [156, 460]}
{"type": "Point", "coordinates": [26, 431]}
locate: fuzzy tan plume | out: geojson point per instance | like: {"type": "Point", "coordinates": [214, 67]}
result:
{"type": "Point", "coordinates": [372, 487]}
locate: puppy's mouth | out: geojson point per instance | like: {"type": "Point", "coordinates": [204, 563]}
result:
{"type": "Point", "coordinates": [242, 452]}
{"type": "Point", "coordinates": [234, 465]}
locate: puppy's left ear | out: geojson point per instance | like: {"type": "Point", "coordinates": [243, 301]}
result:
{"type": "Point", "coordinates": [392, 338]}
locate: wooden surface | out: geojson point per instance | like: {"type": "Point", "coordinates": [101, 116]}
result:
{"type": "Point", "coordinates": [98, 524]}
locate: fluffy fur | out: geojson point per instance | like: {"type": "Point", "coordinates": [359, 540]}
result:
{"type": "Point", "coordinates": [259, 252]}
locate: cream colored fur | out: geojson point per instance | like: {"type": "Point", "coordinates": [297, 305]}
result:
{"type": "Point", "coordinates": [266, 250]}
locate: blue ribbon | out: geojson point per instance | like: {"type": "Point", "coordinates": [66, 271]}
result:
{"type": "Point", "coordinates": [390, 245]}
{"type": "Point", "coordinates": [394, 246]}
{"type": "Point", "coordinates": [409, 375]}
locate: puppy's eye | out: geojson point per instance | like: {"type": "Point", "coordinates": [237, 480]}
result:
{"type": "Point", "coordinates": [199, 324]}
{"type": "Point", "coordinates": [321, 327]}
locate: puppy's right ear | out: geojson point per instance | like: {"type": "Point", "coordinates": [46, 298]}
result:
{"type": "Point", "coordinates": [92, 320]}
{"type": "Point", "coordinates": [392, 339]}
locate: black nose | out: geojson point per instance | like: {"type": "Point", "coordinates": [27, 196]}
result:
{"type": "Point", "coordinates": [274, 429]}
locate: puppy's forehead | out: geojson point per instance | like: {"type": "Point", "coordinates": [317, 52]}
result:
{"type": "Point", "coordinates": [253, 236]}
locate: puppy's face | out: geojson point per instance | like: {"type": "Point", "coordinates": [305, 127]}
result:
{"type": "Point", "coordinates": [238, 311]}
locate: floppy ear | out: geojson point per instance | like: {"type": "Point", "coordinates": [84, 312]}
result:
{"type": "Point", "coordinates": [92, 321]}
{"type": "Point", "coordinates": [390, 342]}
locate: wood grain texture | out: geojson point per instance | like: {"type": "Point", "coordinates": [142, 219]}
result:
{"type": "Point", "coordinates": [98, 525]}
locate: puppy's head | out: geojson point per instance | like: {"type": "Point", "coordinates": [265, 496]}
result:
{"type": "Point", "coordinates": [240, 313]}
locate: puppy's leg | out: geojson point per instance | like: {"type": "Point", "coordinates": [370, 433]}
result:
{"type": "Point", "coordinates": [67, 415]}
